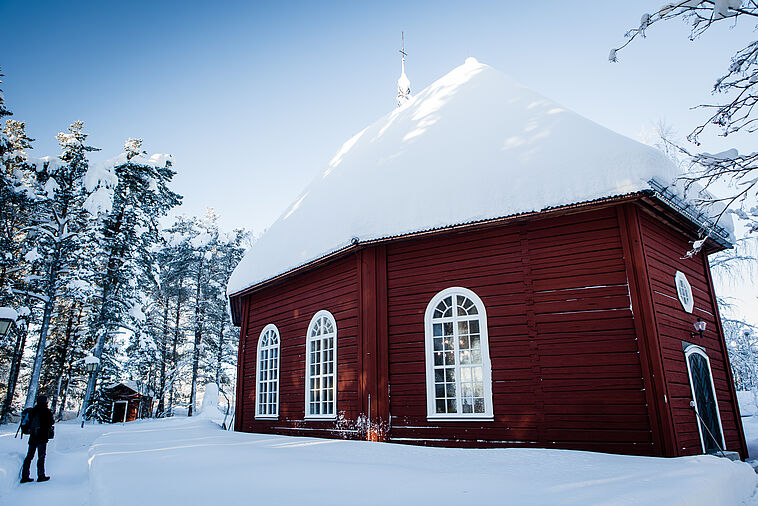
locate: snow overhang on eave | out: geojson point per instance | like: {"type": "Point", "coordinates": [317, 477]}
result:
{"type": "Point", "coordinates": [692, 214]}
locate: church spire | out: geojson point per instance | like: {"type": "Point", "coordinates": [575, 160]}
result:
{"type": "Point", "coordinates": [403, 83]}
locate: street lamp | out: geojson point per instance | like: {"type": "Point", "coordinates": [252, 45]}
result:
{"type": "Point", "coordinates": [8, 317]}
{"type": "Point", "coordinates": [5, 326]}
{"type": "Point", "coordinates": [699, 326]}
{"type": "Point", "coordinates": [91, 363]}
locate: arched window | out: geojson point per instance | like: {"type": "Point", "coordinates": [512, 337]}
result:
{"type": "Point", "coordinates": [267, 373]}
{"type": "Point", "coordinates": [321, 367]}
{"type": "Point", "coordinates": [704, 399]}
{"type": "Point", "coordinates": [458, 371]}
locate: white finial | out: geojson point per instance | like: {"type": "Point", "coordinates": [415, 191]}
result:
{"type": "Point", "coordinates": [403, 83]}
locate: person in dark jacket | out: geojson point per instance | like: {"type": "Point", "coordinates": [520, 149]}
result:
{"type": "Point", "coordinates": [41, 420]}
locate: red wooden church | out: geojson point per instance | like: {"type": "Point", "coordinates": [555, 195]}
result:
{"type": "Point", "coordinates": [483, 267]}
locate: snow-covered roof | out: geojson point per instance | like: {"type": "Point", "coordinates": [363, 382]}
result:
{"type": "Point", "coordinates": [474, 145]}
{"type": "Point", "coordinates": [136, 386]}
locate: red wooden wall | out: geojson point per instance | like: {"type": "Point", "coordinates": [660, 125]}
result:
{"type": "Point", "coordinates": [663, 251]}
{"type": "Point", "coordinates": [565, 365]}
{"type": "Point", "coordinates": [290, 306]}
{"type": "Point", "coordinates": [575, 304]}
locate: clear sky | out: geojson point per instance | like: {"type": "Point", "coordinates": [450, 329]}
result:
{"type": "Point", "coordinates": [253, 98]}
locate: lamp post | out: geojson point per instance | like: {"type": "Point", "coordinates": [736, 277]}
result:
{"type": "Point", "coordinates": [699, 327]}
{"type": "Point", "coordinates": [91, 363]}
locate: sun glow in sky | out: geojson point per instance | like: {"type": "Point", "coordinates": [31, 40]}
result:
{"type": "Point", "coordinates": [253, 99]}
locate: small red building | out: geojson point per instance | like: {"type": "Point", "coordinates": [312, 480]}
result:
{"type": "Point", "coordinates": [126, 401]}
{"type": "Point", "coordinates": [482, 267]}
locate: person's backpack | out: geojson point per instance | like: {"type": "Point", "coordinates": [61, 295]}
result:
{"type": "Point", "coordinates": [26, 421]}
{"type": "Point", "coordinates": [35, 424]}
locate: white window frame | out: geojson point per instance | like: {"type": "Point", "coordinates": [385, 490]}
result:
{"type": "Point", "coordinates": [266, 329]}
{"type": "Point", "coordinates": [431, 412]}
{"type": "Point", "coordinates": [684, 291]}
{"type": "Point", "coordinates": [308, 338]}
{"type": "Point", "coordinates": [695, 349]}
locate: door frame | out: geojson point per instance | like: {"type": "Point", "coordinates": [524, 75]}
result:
{"type": "Point", "coordinates": [690, 349]}
{"type": "Point", "coordinates": [113, 411]}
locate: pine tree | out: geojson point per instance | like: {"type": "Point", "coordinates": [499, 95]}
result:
{"type": "Point", "coordinates": [222, 336]}
{"type": "Point", "coordinates": [60, 224]}
{"type": "Point", "coordinates": [129, 230]}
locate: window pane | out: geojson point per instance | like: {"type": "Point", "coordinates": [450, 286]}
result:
{"type": "Point", "coordinates": [451, 406]}
{"type": "Point", "coordinates": [437, 329]}
{"type": "Point", "coordinates": [475, 341]}
{"type": "Point", "coordinates": [465, 374]}
{"type": "Point", "coordinates": [462, 328]}
{"type": "Point", "coordinates": [476, 356]}
{"type": "Point", "coordinates": [467, 406]}
{"type": "Point", "coordinates": [439, 390]}
{"type": "Point", "coordinates": [440, 405]}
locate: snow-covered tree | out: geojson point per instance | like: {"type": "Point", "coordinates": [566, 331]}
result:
{"type": "Point", "coordinates": [60, 226]}
{"type": "Point", "coordinates": [737, 113]}
{"type": "Point", "coordinates": [132, 195]}
{"type": "Point", "coordinates": [222, 336]}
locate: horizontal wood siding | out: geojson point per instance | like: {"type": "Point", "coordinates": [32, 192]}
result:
{"type": "Point", "coordinates": [565, 364]}
{"type": "Point", "coordinates": [290, 305]}
{"type": "Point", "coordinates": [664, 251]}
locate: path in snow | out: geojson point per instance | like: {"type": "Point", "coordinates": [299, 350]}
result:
{"type": "Point", "coordinates": [66, 463]}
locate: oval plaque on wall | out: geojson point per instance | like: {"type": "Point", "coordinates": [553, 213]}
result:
{"type": "Point", "coordinates": [684, 291]}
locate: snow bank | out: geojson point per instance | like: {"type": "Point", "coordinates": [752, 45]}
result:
{"type": "Point", "coordinates": [746, 400]}
{"type": "Point", "coordinates": [173, 460]}
{"type": "Point", "coordinates": [749, 417]}
{"type": "Point", "coordinates": [210, 398]}
{"type": "Point", "coordinates": [472, 146]}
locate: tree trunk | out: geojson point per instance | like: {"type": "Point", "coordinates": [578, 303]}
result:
{"type": "Point", "coordinates": [64, 355]}
{"type": "Point", "coordinates": [174, 356]}
{"type": "Point", "coordinates": [62, 406]}
{"type": "Point", "coordinates": [220, 355]}
{"type": "Point", "coordinates": [31, 396]}
{"type": "Point", "coordinates": [18, 353]}
{"type": "Point", "coordinates": [198, 337]}
{"type": "Point", "coordinates": [164, 352]}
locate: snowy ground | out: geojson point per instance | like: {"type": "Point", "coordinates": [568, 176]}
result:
{"type": "Point", "coordinates": [191, 461]}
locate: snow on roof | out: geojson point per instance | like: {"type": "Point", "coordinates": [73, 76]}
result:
{"type": "Point", "coordinates": [8, 313]}
{"type": "Point", "coordinates": [472, 146]}
{"type": "Point", "coordinates": [136, 386]}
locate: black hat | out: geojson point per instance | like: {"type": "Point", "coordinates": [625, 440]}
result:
{"type": "Point", "coordinates": [42, 400]}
